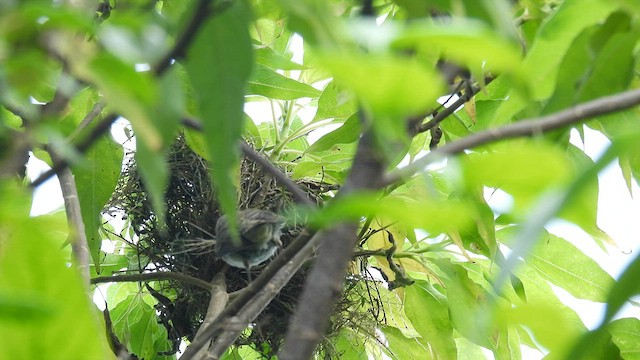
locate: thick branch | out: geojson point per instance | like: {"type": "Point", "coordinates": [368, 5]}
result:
{"type": "Point", "coordinates": [219, 299]}
{"type": "Point", "coordinates": [327, 276]}
{"type": "Point", "coordinates": [258, 303]}
{"type": "Point", "coordinates": [295, 254]}
{"type": "Point", "coordinates": [528, 127]}
{"type": "Point", "coordinates": [161, 275]}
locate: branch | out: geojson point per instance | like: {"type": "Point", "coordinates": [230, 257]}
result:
{"type": "Point", "coordinates": [161, 275]}
{"type": "Point", "coordinates": [83, 145]}
{"type": "Point", "coordinates": [528, 127]}
{"type": "Point", "coordinates": [200, 14]}
{"type": "Point", "coordinates": [219, 299]}
{"type": "Point", "coordinates": [440, 116]}
{"type": "Point", "coordinates": [258, 303]}
{"type": "Point", "coordinates": [79, 245]}
{"type": "Point", "coordinates": [300, 196]}
{"type": "Point", "coordinates": [288, 262]}
{"type": "Point", "coordinates": [325, 282]}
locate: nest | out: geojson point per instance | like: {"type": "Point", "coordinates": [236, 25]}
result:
{"type": "Point", "coordinates": [192, 212]}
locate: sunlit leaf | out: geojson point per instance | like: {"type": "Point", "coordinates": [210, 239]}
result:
{"type": "Point", "coordinates": [625, 333]}
{"type": "Point", "coordinates": [269, 83]}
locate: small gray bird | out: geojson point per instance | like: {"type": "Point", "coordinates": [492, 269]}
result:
{"type": "Point", "coordinates": [260, 232]}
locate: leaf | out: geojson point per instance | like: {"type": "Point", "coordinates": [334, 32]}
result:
{"type": "Point", "coordinates": [348, 133]}
{"type": "Point", "coordinates": [268, 83]}
{"type": "Point", "coordinates": [553, 39]}
{"type": "Point", "coordinates": [625, 334]}
{"type": "Point", "coordinates": [429, 314]}
{"type": "Point", "coordinates": [390, 86]}
{"type": "Point", "coordinates": [224, 41]}
{"type": "Point", "coordinates": [434, 216]}
{"type": "Point", "coordinates": [566, 266]}
{"type": "Point", "coordinates": [466, 301]}
{"type": "Point", "coordinates": [467, 42]}
{"type": "Point", "coordinates": [66, 326]}
{"type": "Point", "coordinates": [402, 347]}
{"type": "Point", "coordinates": [533, 167]}
{"type": "Point", "coordinates": [266, 56]}
{"type": "Point", "coordinates": [130, 93]}
{"type": "Point", "coordinates": [96, 180]}
{"type": "Point", "coordinates": [335, 103]}
{"type": "Point", "coordinates": [348, 346]}
{"type": "Point", "coordinates": [136, 325]}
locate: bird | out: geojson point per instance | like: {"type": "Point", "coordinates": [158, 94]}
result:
{"type": "Point", "coordinates": [259, 238]}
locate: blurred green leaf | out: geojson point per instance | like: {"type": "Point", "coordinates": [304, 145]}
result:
{"type": "Point", "coordinates": [402, 347]}
{"type": "Point", "coordinates": [429, 313]}
{"type": "Point", "coordinates": [390, 86]}
{"type": "Point", "coordinates": [225, 42]}
{"type": "Point", "coordinates": [533, 167]}
{"type": "Point", "coordinates": [129, 92]}
{"type": "Point", "coordinates": [266, 56]}
{"type": "Point", "coordinates": [466, 300]}
{"type": "Point", "coordinates": [466, 42]}
{"type": "Point", "coordinates": [335, 103]}
{"type": "Point", "coordinates": [626, 286]}
{"type": "Point", "coordinates": [625, 334]}
{"type": "Point", "coordinates": [69, 328]}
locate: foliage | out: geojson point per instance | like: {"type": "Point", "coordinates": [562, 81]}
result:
{"type": "Point", "coordinates": [456, 278]}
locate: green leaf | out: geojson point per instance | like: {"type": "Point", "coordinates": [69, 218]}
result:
{"type": "Point", "coordinates": [136, 325]}
{"type": "Point", "coordinates": [335, 103]}
{"type": "Point", "coordinates": [429, 313]}
{"type": "Point", "coordinates": [348, 346]}
{"type": "Point", "coordinates": [268, 83]}
{"type": "Point", "coordinates": [348, 133]}
{"type": "Point", "coordinates": [389, 85]}
{"type": "Point", "coordinates": [132, 94]}
{"type": "Point", "coordinates": [553, 324]}
{"type": "Point", "coordinates": [553, 39]}
{"type": "Point", "coordinates": [613, 67]}
{"type": "Point", "coordinates": [467, 42]}
{"type": "Point", "coordinates": [625, 334]}
{"type": "Point", "coordinates": [566, 266]}
{"type": "Point", "coordinates": [67, 326]}
{"type": "Point", "coordinates": [466, 300]}
{"type": "Point", "coordinates": [404, 348]}
{"type": "Point", "coordinates": [266, 56]}
{"type": "Point", "coordinates": [533, 167]}
{"type": "Point", "coordinates": [224, 41]}
{"type": "Point", "coordinates": [96, 180]}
